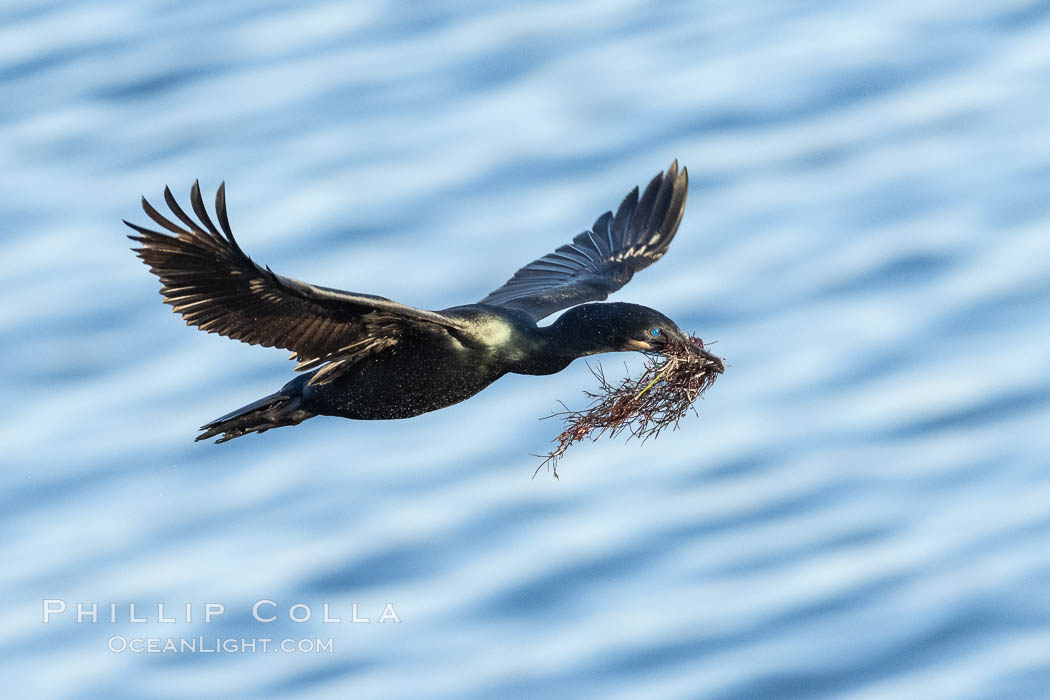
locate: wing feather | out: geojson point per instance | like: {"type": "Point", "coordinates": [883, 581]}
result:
{"type": "Point", "coordinates": [213, 285]}
{"type": "Point", "coordinates": [600, 261]}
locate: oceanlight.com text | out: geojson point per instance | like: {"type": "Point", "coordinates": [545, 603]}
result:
{"type": "Point", "coordinates": [218, 645]}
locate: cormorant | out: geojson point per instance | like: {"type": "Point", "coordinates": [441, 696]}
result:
{"type": "Point", "coordinates": [367, 357]}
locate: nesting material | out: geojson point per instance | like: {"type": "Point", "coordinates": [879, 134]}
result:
{"type": "Point", "coordinates": [659, 398]}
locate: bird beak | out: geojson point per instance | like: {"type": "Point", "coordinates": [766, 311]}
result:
{"type": "Point", "coordinates": [716, 363]}
{"type": "Point", "coordinates": [713, 362]}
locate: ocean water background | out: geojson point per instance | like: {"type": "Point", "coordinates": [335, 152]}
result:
{"type": "Point", "coordinates": [861, 510]}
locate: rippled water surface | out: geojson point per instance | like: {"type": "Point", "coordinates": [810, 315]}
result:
{"type": "Point", "coordinates": [862, 509]}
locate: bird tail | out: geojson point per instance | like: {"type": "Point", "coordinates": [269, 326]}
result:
{"type": "Point", "coordinates": [273, 411]}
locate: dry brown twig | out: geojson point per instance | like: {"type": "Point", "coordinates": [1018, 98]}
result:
{"type": "Point", "coordinates": [665, 392]}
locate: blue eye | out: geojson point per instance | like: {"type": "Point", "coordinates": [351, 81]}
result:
{"type": "Point", "coordinates": [655, 332]}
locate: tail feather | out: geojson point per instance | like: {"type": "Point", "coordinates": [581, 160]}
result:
{"type": "Point", "coordinates": [273, 411]}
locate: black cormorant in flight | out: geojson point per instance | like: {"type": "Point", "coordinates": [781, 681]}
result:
{"type": "Point", "coordinates": [367, 357]}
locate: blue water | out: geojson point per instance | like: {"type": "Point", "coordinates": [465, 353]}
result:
{"type": "Point", "coordinates": [861, 510]}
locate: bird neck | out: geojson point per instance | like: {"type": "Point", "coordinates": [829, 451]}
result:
{"type": "Point", "coordinates": [580, 331]}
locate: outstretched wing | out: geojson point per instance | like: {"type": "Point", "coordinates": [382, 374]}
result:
{"type": "Point", "coordinates": [600, 261]}
{"type": "Point", "coordinates": [208, 279]}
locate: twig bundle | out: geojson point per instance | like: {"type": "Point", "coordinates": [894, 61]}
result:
{"type": "Point", "coordinates": [668, 387]}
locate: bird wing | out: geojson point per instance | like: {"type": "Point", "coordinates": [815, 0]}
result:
{"type": "Point", "coordinates": [600, 261]}
{"type": "Point", "coordinates": [208, 279]}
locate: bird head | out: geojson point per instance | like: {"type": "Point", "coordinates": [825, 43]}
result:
{"type": "Point", "coordinates": [625, 327]}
